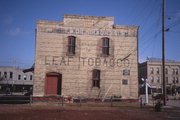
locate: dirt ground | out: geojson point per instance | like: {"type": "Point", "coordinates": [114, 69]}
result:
{"type": "Point", "coordinates": [52, 112]}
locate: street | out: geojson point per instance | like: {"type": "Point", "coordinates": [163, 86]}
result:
{"type": "Point", "coordinates": [56, 112]}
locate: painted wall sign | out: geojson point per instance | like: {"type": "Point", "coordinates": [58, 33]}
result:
{"type": "Point", "coordinates": [86, 61]}
{"type": "Point", "coordinates": [95, 32]}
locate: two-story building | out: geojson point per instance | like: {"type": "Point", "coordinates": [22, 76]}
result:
{"type": "Point", "coordinates": [86, 56]}
{"type": "Point", "coordinates": [13, 79]}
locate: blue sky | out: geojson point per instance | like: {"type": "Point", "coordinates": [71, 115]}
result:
{"type": "Point", "coordinates": [18, 17]}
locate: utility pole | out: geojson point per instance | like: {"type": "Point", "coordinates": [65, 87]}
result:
{"type": "Point", "coordinates": [163, 54]}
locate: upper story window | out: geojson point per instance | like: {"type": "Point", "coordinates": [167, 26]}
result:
{"type": "Point", "coordinates": [25, 77]}
{"type": "Point", "coordinates": [5, 74]}
{"type": "Point", "coordinates": [152, 70]}
{"type": "Point", "coordinates": [174, 80]}
{"type": "Point", "coordinates": [96, 78]}
{"type": "Point", "coordinates": [71, 45]}
{"type": "Point", "coordinates": [167, 80]}
{"type": "Point", "coordinates": [157, 70]}
{"type": "Point", "coordinates": [177, 80]}
{"type": "Point", "coordinates": [152, 79]}
{"type": "Point", "coordinates": [19, 77]}
{"type": "Point", "coordinates": [166, 70]}
{"type": "Point", "coordinates": [176, 71]}
{"type": "Point", "coordinates": [173, 71]}
{"type": "Point", "coordinates": [30, 77]}
{"type": "Point", "coordinates": [11, 75]}
{"type": "Point", "coordinates": [158, 79]}
{"type": "Point", "coordinates": [105, 46]}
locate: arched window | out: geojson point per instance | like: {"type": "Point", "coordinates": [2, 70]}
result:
{"type": "Point", "coordinates": [105, 46]}
{"type": "Point", "coordinates": [96, 78]}
{"type": "Point", "coordinates": [71, 45]}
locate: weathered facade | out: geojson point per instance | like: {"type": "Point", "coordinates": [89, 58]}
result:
{"type": "Point", "coordinates": [86, 56]}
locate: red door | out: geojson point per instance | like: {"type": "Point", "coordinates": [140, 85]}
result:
{"type": "Point", "coordinates": [53, 84]}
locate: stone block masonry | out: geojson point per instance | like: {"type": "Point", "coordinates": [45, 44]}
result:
{"type": "Point", "coordinates": [86, 56]}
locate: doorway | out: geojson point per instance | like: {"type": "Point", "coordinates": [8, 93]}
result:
{"type": "Point", "coordinates": [53, 84]}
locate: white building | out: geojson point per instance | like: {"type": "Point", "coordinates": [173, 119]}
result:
{"type": "Point", "coordinates": [14, 79]}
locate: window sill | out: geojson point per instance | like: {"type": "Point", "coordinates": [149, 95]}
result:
{"type": "Point", "coordinates": [104, 55]}
{"type": "Point", "coordinates": [70, 54]}
{"type": "Point", "coordinates": [96, 87]}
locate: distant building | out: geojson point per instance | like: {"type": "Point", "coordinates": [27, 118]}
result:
{"type": "Point", "coordinates": [152, 71]}
{"type": "Point", "coordinates": [15, 80]}
{"type": "Point", "coordinates": [86, 56]}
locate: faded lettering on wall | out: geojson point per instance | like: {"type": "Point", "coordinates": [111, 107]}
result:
{"type": "Point", "coordinates": [95, 32]}
{"type": "Point", "coordinates": [86, 61]}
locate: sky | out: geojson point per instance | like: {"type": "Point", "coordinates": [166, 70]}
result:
{"type": "Point", "coordinates": [18, 23]}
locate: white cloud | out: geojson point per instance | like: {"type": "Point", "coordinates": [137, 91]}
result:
{"type": "Point", "coordinates": [178, 14]}
{"type": "Point", "coordinates": [17, 31]}
{"type": "Point", "coordinates": [14, 32]}
{"type": "Point", "coordinates": [7, 20]}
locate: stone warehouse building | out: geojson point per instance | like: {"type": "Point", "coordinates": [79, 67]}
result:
{"type": "Point", "coordinates": [86, 56]}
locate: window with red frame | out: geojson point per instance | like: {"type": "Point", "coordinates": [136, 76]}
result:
{"type": "Point", "coordinates": [105, 46]}
{"type": "Point", "coordinates": [71, 44]}
{"type": "Point", "coordinates": [96, 78]}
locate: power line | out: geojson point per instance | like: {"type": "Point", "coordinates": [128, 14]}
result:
{"type": "Point", "coordinates": [174, 31]}
{"type": "Point", "coordinates": [149, 42]}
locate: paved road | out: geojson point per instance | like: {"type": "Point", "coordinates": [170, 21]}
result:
{"type": "Point", "coordinates": [49, 112]}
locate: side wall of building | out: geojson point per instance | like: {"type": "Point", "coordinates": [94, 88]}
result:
{"type": "Point", "coordinates": [76, 70]}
